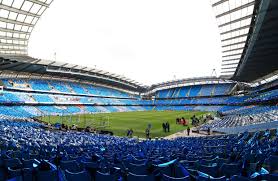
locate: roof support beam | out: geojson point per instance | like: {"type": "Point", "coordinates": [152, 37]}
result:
{"type": "Point", "coordinates": [234, 37]}
{"type": "Point", "coordinates": [241, 42]}
{"type": "Point", "coordinates": [236, 9]}
{"type": "Point", "coordinates": [241, 48]}
{"type": "Point", "coordinates": [229, 60]}
{"type": "Point", "coordinates": [8, 49]}
{"type": "Point", "coordinates": [219, 2]}
{"type": "Point", "coordinates": [228, 72]}
{"type": "Point", "coordinates": [227, 68]}
{"type": "Point", "coordinates": [15, 10]}
{"type": "Point", "coordinates": [236, 29]}
{"type": "Point", "coordinates": [231, 55]}
{"type": "Point", "coordinates": [14, 31]}
{"type": "Point", "coordinates": [13, 38]}
{"type": "Point", "coordinates": [39, 2]}
{"type": "Point", "coordinates": [15, 22]}
{"type": "Point", "coordinates": [229, 64]}
{"type": "Point", "coordinates": [236, 20]}
{"type": "Point", "coordinates": [12, 44]}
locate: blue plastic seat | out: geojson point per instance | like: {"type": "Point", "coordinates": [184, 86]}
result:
{"type": "Point", "coordinates": [229, 170]}
{"type": "Point", "coordinates": [137, 169]}
{"type": "Point", "coordinates": [77, 176]}
{"type": "Point", "coordinates": [14, 172]}
{"type": "Point", "coordinates": [200, 178]}
{"type": "Point", "coordinates": [47, 175]}
{"type": "Point", "coordinates": [210, 170]}
{"type": "Point", "coordinates": [12, 163]}
{"type": "Point", "coordinates": [71, 166]}
{"type": "Point", "coordinates": [208, 162]}
{"type": "Point", "coordinates": [169, 178]}
{"type": "Point", "coordinates": [221, 161]}
{"type": "Point", "coordinates": [134, 177]}
{"type": "Point", "coordinates": [273, 163]}
{"type": "Point", "coordinates": [89, 165]}
{"type": "Point", "coordinates": [28, 163]}
{"type": "Point", "coordinates": [104, 177]}
{"type": "Point", "coordinates": [189, 164]}
{"type": "Point", "coordinates": [239, 178]}
{"type": "Point", "coordinates": [273, 177]}
{"type": "Point", "coordinates": [27, 174]}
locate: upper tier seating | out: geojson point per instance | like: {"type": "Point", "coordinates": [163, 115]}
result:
{"type": "Point", "coordinates": [195, 90]}
{"type": "Point", "coordinates": [64, 87]}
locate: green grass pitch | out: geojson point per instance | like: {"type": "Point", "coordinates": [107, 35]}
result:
{"type": "Point", "coordinates": [119, 122]}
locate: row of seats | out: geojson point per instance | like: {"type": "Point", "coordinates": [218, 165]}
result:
{"type": "Point", "coordinates": [196, 90]}
{"type": "Point", "coordinates": [240, 120]}
{"type": "Point", "coordinates": [28, 152]}
{"type": "Point", "coordinates": [63, 87]}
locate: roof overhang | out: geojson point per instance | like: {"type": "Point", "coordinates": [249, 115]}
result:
{"type": "Point", "coordinates": [17, 20]}
{"type": "Point", "coordinates": [234, 21]}
{"type": "Point", "coordinates": [53, 68]}
{"type": "Point", "coordinates": [260, 55]}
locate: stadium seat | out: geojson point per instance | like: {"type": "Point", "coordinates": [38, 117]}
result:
{"type": "Point", "coordinates": [229, 169]}
{"type": "Point", "coordinates": [210, 170]}
{"type": "Point", "coordinates": [77, 176]}
{"type": "Point", "coordinates": [138, 169]}
{"type": "Point", "coordinates": [14, 172]}
{"type": "Point", "coordinates": [104, 176]}
{"type": "Point", "coordinates": [71, 166]}
{"type": "Point", "coordinates": [134, 177]}
{"type": "Point", "coordinates": [239, 178]}
{"type": "Point", "coordinates": [273, 160]}
{"type": "Point", "coordinates": [47, 175]}
{"type": "Point", "coordinates": [169, 178]}
{"type": "Point", "coordinates": [12, 163]}
{"type": "Point", "coordinates": [273, 177]}
{"type": "Point", "coordinates": [200, 178]}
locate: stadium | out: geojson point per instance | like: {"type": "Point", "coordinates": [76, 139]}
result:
{"type": "Point", "coordinates": [68, 122]}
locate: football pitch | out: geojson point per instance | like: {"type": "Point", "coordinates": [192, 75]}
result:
{"type": "Point", "coordinates": [119, 122]}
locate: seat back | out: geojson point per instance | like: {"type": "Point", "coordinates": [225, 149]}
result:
{"type": "Point", "coordinates": [169, 178]}
{"type": "Point", "coordinates": [139, 169]}
{"type": "Point", "coordinates": [104, 177]}
{"type": "Point", "coordinates": [14, 172]}
{"type": "Point", "coordinates": [273, 177]}
{"type": "Point", "coordinates": [273, 160]}
{"type": "Point", "coordinates": [201, 178]}
{"type": "Point", "coordinates": [13, 163]}
{"type": "Point", "coordinates": [134, 177]}
{"type": "Point", "coordinates": [77, 176]}
{"type": "Point", "coordinates": [47, 175]}
{"type": "Point", "coordinates": [229, 170]}
{"type": "Point", "coordinates": [71, 166]}
{"type": "Point", "coordinates": [28, 163]}
{"type": "Point", "coordinates": [239, 178]}
{"type": "Point", "coordinates": [210, 170]}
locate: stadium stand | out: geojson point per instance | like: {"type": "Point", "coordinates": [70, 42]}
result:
{"type": "Point", "coordinates": [72, 155]}
{"type": "Point", "coordinates": [244, 99]}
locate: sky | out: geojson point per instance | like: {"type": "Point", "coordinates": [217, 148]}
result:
{"type": "Point", "coordinates": [149, 41]}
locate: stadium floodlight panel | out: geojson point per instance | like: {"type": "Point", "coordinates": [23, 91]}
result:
{"type": "Point", "coordinates": [17, 20]}
{"type": "Point", "coordinates": [234, 22]}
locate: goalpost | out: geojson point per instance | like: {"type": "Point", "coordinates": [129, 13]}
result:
{"type": "Point", "coordinates": [96, 121]}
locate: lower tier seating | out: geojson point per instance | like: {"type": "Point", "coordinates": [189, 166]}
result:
{"type": "Point", "coordinates": [28, 152]}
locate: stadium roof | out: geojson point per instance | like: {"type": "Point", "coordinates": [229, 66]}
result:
{"type": "Point", "coordinates": [17, 20]}
{"type": "Point", "coordinates": [260, 56]}
{"type": "Point", "coordinates": [22, 63]}
{"type": "Point", "coordinates": [234, 21]}
{"type": "Point", "coordinates": [248, 30]}
{"type": "Point", "coordinates": [249, 38]}
{"type": "Point", "coordinates": [192, 81]}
